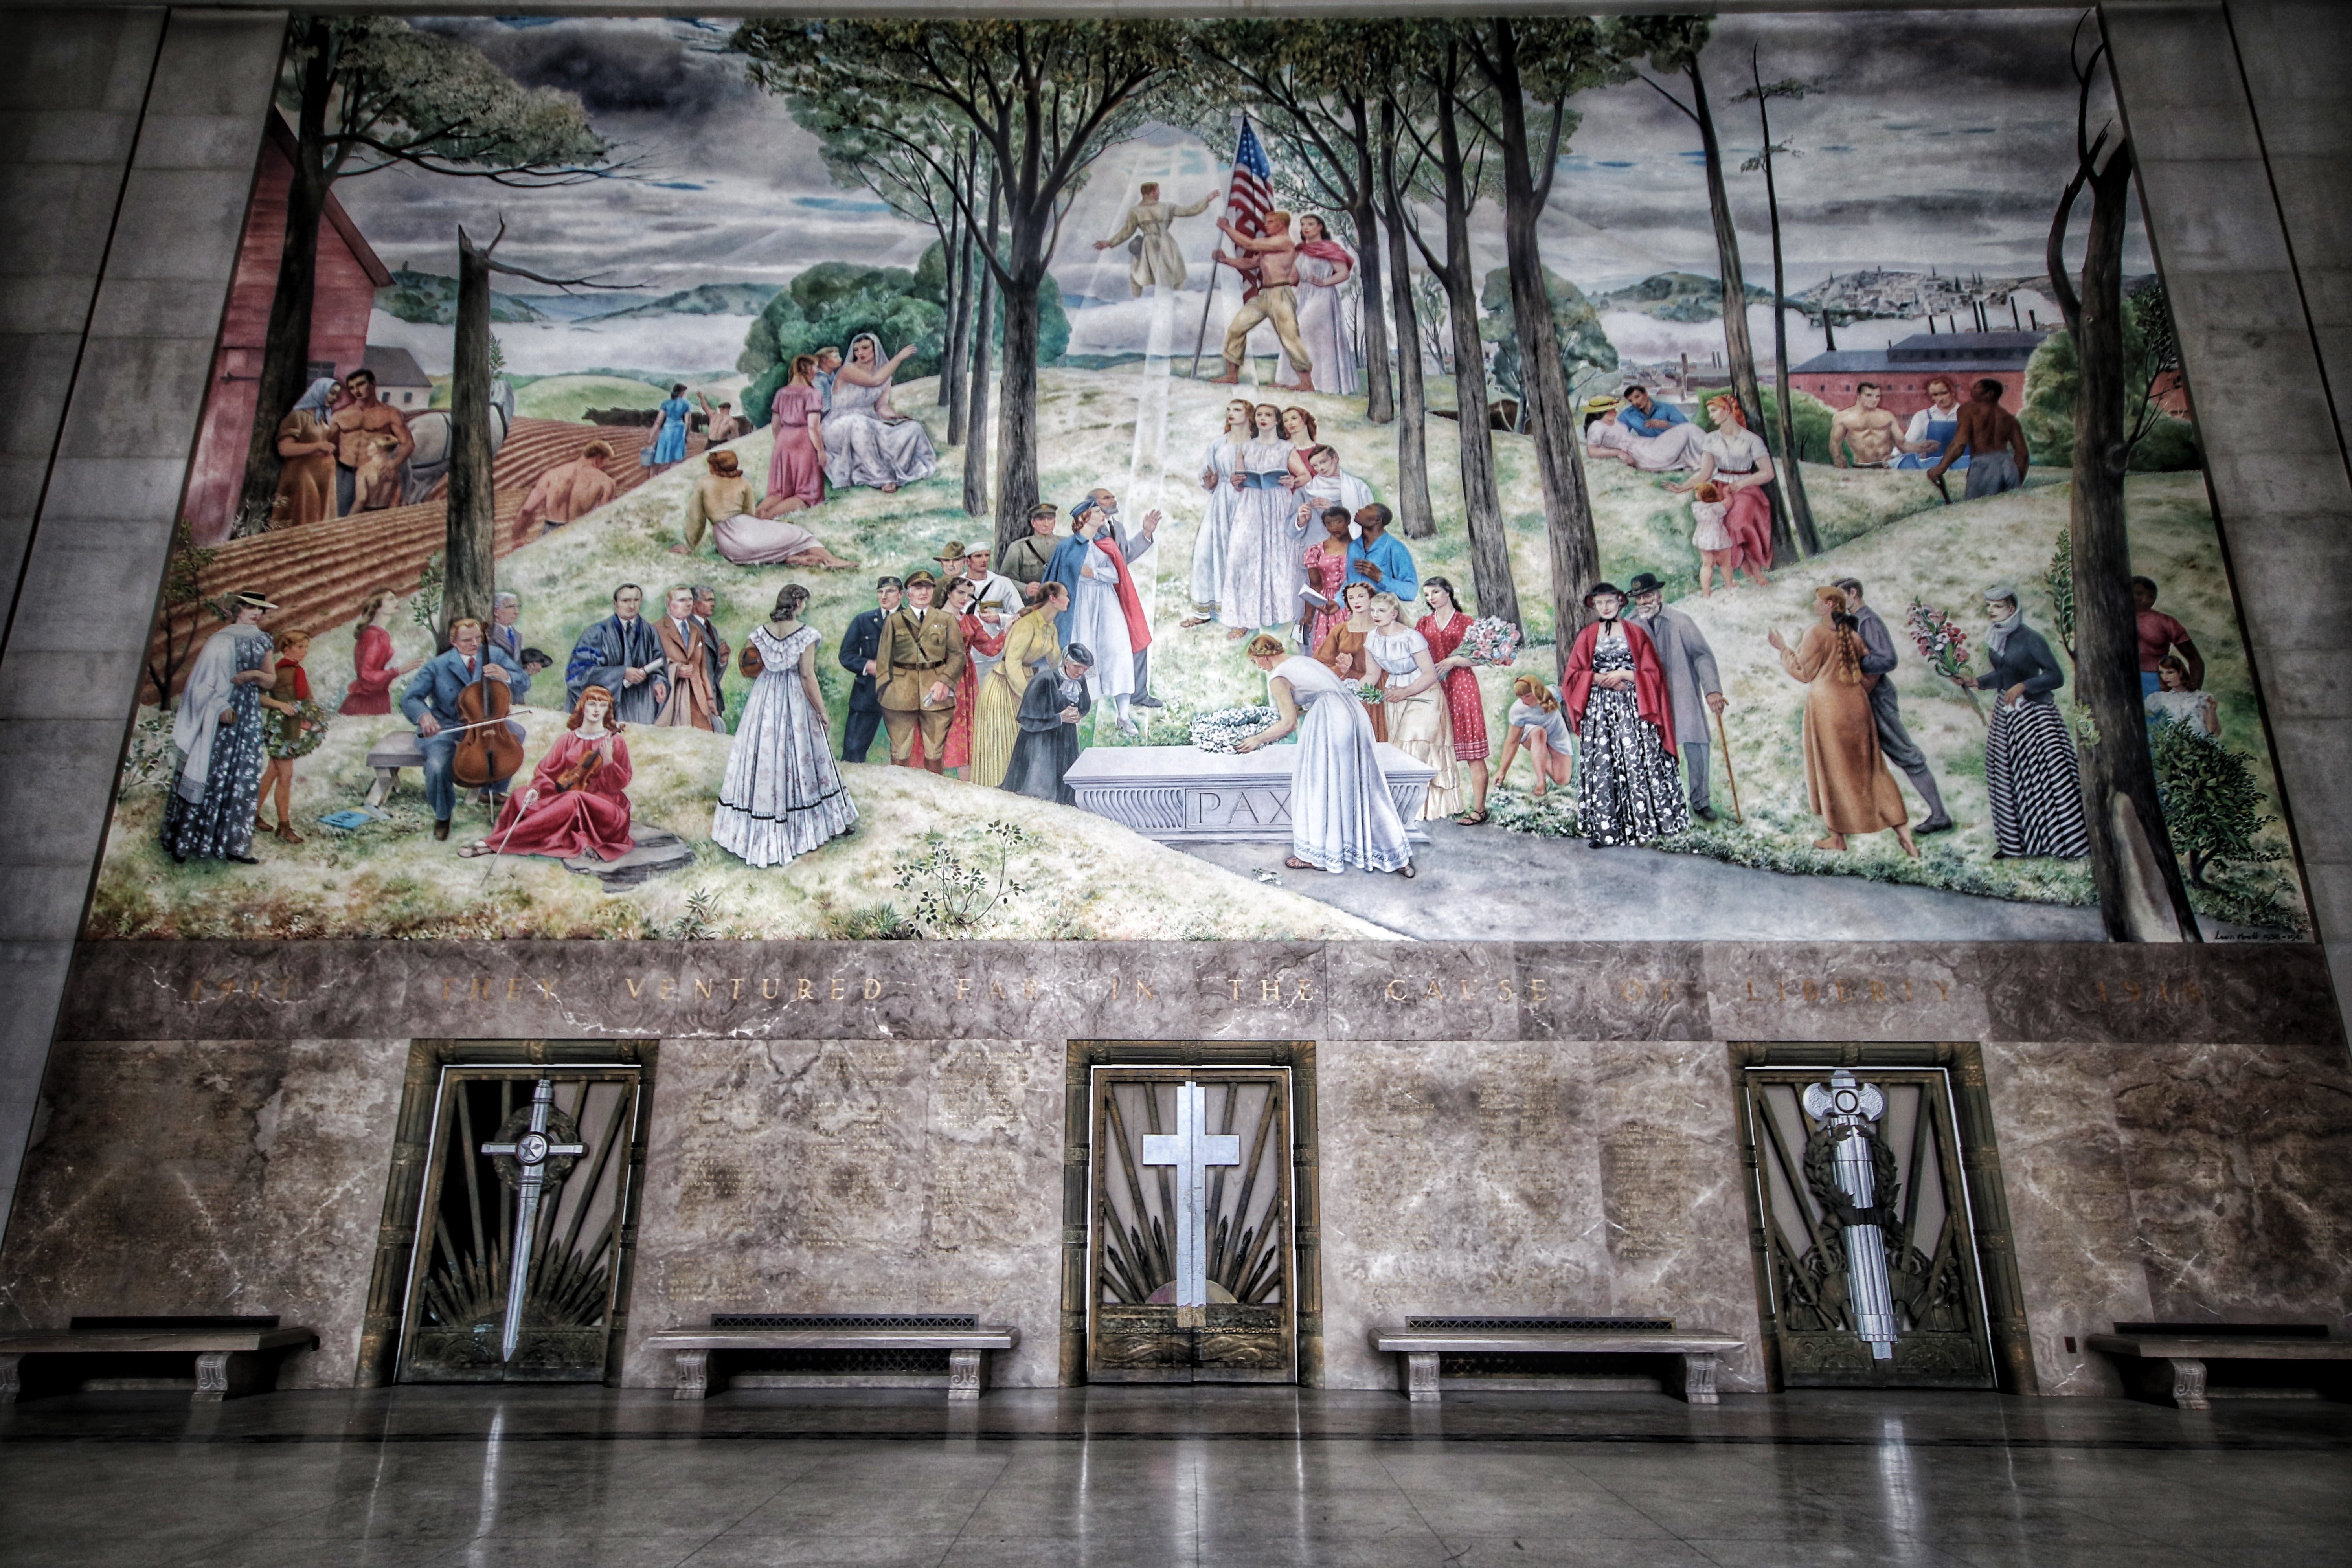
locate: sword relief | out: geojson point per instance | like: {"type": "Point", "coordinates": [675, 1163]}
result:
{"type": "Point", "coordinates": [1845, 1111]}
{"type": "Point", "coordinates": [535, 1177]}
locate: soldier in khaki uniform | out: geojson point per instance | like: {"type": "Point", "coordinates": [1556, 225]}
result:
{"type": "Point", "coordinates": [916, 670]}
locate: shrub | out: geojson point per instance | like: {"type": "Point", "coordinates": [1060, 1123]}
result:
{"type": "Point", "coordinates": [2212, 803]}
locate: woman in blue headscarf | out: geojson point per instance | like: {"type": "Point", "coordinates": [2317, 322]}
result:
{"type": "Point", "coordinates": [306, 445]}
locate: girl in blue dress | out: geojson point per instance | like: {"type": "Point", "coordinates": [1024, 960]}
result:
{"type": "Point", "coordinates": [670, 439]}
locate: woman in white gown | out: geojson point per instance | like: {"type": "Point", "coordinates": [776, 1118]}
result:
{"type": "Point", "coordinates": [1263, 565]}
{"type": "Point", "coordinates": [1675, 448]}
{"type": "Point", "coordinates": [867, 441]}
{"type": "Point", "coordinates": [1323, 264]}
{"type": "Point", "coordinates": [1341, 813]}
{"type": "Point", "coordinates": [782, 795]}
{"type": "Point", "coordinates": [1413, 699]}
{"type": "Point", "coordinates": [1209, 546]}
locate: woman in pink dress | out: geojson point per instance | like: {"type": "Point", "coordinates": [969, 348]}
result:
{"type": "Point", "coordinates": [796, 472]}
{"type": "Point", "coordinates": [576, 805]}
{"type": "Point", "coordinates": [369, 692]}
{"type": "Point", "coordinates": [1327, 574]}
{"type": "Point", "coordinates": [1444, 628]}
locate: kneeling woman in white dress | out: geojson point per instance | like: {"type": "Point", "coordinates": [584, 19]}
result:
{"type": "Point", "coordinates": [783, 796]}
{"type": "Point", "coordinates": [1341, 813]}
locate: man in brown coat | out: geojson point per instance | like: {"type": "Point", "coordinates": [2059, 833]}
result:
{"type": "Point", "coordinates": [916, 671]}
{"type": "Point", "coordinates": [686, 648]}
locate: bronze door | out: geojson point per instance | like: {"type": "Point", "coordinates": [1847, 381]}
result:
{"type": "Point", "coordinates": [1136, 1330]}
{"type": "Point", "coordinates": [1817, 1323]}
{"type": "Point", "coordinates": [477, 1204]}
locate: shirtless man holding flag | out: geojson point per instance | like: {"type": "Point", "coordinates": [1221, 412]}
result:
{"type": "Point", "coordinates": [1275, 259]}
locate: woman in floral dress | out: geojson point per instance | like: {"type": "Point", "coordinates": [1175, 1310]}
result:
{"type": "Point", "coordinates": [1444, 628]}
{"type": "Point", "coordinates": [1628, 788]}
{"type": "Point", "coordinates": [1327, 574]}
{"type": "Point", "coordinates": [782, 795]}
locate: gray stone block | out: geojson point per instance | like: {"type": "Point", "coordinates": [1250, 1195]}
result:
{"type": "Point", "coordinates": [133, 307]}
{"type": "Point", "coordinates": [90, 58]}
{"type": "Point", "coordinates": [2315, 757]}
{"type": "Point", "coordinates": [2305, 683]}
{"type": "Point", "coordinates": [2199, 208]}
{"type": "Point", "coordinates": [44, 903]}
{"type": "Point", "coordinates": [81, 594]}
{"type": "Point", "coordinates": [202, 209]}
{"type": "Point", "coordinates": [93, 138]}
{"type": "Point", "coordinates": [211, 143]}
{"type": "Point", "coordinates": [47, 811]}
{"type": "Point", "coordinates": [53, 303]}
{"type": "Point", "coordinates": [39, 682]}
{"type": "Point", "coordinates": [2218, 305]}
{"type": "Point", "coordinates": [53, 221]}
{"type": "Point", "coordinates": [35, 373]}
{"type": "Point", "coordinates": [2191, 132]}
{"type": "Point", "coordinates": [2312, 195]}
{"type": "Point", "coordinates": [2292, 575]}
{"type": "Point", "coordinates": [99, 489]}
{"type": "Point", "coordinates": [2327, 290]}
{"type": "Point", "coordinates": [218, 63]}
{"type": "Point", "coordinates": [138, 394]}
{"type": "Point", "coordinates": [2272, 480]}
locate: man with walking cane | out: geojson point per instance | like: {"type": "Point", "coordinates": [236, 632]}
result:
{"type": "Point", "coordinates": [1693, 688]}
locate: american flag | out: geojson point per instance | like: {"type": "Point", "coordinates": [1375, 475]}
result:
{"type": "Point", "coordinates": [1250, 197]}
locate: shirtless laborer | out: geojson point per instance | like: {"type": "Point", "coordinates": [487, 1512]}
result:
{"type": "Point", "coordinates": [1275, 259]}
{"type": "Point", "coordinates": [1989, 434]}
{"type": "Point", "coordinates": [1872, 432]}
{"type": "Point", "coordinates": [358, 424]}
{"type": "Point", "coordinates": [566, 492]}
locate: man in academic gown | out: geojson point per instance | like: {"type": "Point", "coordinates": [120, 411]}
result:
{"type": "Point", "coordinates": [916, 668]}
{"type": "Point", "coordinates": [1105, 614]}
{"type": "Point", "coordinates": [1694, 689]}
{"type": "Point", "coordinates": [859, 644]}
{"type": "Point", "coordinates": [622, 654]}
{"type": "Point", "coordinates": [1133, 544]}
{"type": "Point", "coordinates": [1051, 710]}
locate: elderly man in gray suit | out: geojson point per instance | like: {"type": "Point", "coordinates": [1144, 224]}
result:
{"type": "Point", "coordinates": [1878, 659]}
{"type": "Point", "coordinates": [1694, 690]}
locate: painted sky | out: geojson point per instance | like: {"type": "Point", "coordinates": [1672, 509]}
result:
{"type": "Point", "coordinates": [1936, 140]}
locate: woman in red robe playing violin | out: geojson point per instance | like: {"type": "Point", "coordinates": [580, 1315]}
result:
{"type": "Point", "coordinates": [574, 805]}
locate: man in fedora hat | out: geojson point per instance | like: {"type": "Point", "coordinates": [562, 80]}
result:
{"type": "Point", "coordinates": [217, 790]}
{"type": "Point", "coordinates": [971, 562]}
{"type": "Point", "coordinates": [1694, 689]}
{"type": "Point", "coordinates": [916, 668]}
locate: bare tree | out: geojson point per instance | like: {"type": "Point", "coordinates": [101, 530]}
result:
{"type": "Point", "coordinates": [1800, 510]}
{"type": "Point", "coordinates": [2126, 818]}
{"type": "Point", "coordinates": [1413, 512]}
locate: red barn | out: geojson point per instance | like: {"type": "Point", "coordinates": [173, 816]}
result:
{"type": "Point", "coordinates": [348, 276]}
{"type": "Point", "coordinates": [1903, 369]}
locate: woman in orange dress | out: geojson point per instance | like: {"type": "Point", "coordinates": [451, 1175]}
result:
{"type": "Point", "coordinates": [1845, 773]}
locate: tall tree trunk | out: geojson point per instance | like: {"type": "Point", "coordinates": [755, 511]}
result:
{"type": "Point", "coordinates": [1800, 510]}
{"type": "Point", "coordinates": [1413, 512]}
{"type": "Point", "coordinates": [2118, 773]}
{"type": "Point", "coordinates": [1738, 350]}
{"type": "Point", "coordinates": [1482, 506]}
{"type": "Point", "coordinates": [960, 266]}
{"type": "Point", "coordinates": [286, 347]}
{"type": "Point", "coordinates": [472, 557]}
{"type": "Point", "coordinates": [1575, 548]}
{"type": "Point", "coordinates": [983, 331]}
{"type": "Point", "coordinates": [1016, 418]}
{"type": "Point", "coordinates": [1379, 399]}
{"type": "Point", "coordinates": [949, 395]}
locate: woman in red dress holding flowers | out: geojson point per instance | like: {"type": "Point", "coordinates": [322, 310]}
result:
{"type": "Point", "coordinates": [574, 806]}
{"type": "Point", "coordinates": [1444, 628]}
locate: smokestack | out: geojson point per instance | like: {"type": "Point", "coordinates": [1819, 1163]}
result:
{"type": "Point", "coordinates": [2013, 321]}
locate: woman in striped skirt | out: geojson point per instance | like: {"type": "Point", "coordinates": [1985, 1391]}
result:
{"type": "Point", "coordinates": [2029, 769]}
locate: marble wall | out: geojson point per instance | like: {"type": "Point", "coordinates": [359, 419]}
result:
{"type": "Point", "coordinates": [2178, 1183]}
{"type": "Point", "coordinates": [1554, 1180]}
{"type": "Point", "coordinates": [855, 1176]}
{"type": "Point", "coordinates": [181, 1176]}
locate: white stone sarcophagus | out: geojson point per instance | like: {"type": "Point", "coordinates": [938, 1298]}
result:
{"type": "Point", "coordinates": [1178, 793]}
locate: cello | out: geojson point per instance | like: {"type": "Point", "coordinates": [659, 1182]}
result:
{"type": "Point", "coordinates": [489, 752]}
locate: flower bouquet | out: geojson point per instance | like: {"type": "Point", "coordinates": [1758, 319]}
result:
{"type": "Point", "coordinates": [1490, 641]}
{"type": "Point", "coordinates": [1369, 694]}
{"type": "Point", "coordinates": [1224, 730]}
{"type": "Point", "coordinates": [1944, 648]}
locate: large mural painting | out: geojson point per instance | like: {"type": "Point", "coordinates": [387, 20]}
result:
{"type": "Point", "coordinates": [1526, 479]}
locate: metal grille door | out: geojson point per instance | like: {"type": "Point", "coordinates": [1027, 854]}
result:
{"type": "Point", "coordinates": [1143, 1228]}
{"type": "Point", "coordinates": [1822, 1194]}
{"type": "Point", "coordinates": [530, 1186]}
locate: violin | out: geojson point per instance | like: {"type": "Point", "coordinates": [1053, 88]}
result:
{"type": "Point", "coordinates": [488, 751]}
{"type": "Point", "coordinates": [577, 774]}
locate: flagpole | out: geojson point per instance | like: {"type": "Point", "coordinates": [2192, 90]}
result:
{"type": "Point", "coordinates": [1208, 298]}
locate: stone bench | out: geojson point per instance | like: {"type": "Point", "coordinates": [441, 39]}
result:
{"type": "Point", "coordinates": [2147, 1355]}
{"type": "Point", "coordinates": [1179, 794]}
{"type": "Point", "coordinates": [1692, 1356]}
{"type": "Point", "coordinates": [234, 1356]}
{"type": "Point", "coordinates": [398, 750]}
{"type": "Point", "coordinates": [965, 1338]}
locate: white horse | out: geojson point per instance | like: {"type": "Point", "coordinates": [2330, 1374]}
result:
{"type": "Point", "coordinates": [430, 430]}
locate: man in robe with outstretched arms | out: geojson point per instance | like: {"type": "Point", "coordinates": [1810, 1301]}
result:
{"type": "Point", "coordinates": [1153, 253]}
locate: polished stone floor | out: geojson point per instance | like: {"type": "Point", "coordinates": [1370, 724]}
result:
{"type": "Point", "coordinates": [553, 1477]}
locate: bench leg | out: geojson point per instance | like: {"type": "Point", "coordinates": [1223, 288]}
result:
{"type": "Point", "coordinates": [227, 1374]}
{"type": "Point", "coordinates": [693, 1376]}
{"type": "Point", "coordinates": [1421, 1376]}
{"type": "Point", "coordinates": [1699, 1368]}
{"type": "Point", "coordinates": [12, 1378]}
{"type": "Point", "coordinates": [386, 780]}
{"type": "Point", "coordinates": [967, 1374]}
{"type": "Point", "coordinates": [2189, 1384]}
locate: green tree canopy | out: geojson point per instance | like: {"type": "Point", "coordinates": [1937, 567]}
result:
{"type": "Point", "coordinates": [1583, 344]}
{"type": "Point", "coordinates": [2053, 377]}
